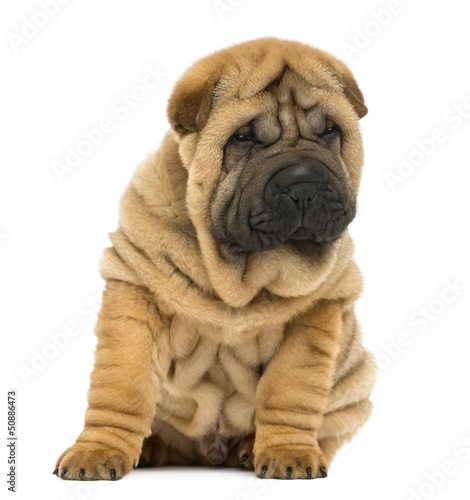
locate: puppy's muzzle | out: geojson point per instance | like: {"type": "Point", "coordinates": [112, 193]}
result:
{"type": "Point", "coordinates": [307, 199]}
{"type": "Point", "coordinates": [288, 197]}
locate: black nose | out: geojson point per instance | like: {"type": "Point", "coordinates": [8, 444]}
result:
{"type": "Point", "coordinates": [299, 182]}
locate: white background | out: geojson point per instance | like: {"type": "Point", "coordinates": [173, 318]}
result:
{"type": "Point", "coordinates": [410, 241]}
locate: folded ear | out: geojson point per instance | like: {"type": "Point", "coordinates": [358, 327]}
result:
{"type": "Point", "coordinates": [354, 94]}
{"type": "Point", "coordinates": [350, 87]}
{"type": "Point", "coordinates": [190, 103]}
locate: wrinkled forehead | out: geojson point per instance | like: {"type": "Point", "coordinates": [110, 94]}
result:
{"type": "Point", "coordinates": [292, 88]}
{"type": "Point", "coordinates": [297, 109]}
{"type": "Point", "coordinates": [287, 105]}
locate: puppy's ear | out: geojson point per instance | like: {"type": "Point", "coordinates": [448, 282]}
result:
{"type": "Point", "coordinates": [354, 94]}
{"type": "Point", "coordinates": [190, 103]}
{"type": "Point", "coordinates": [350, 87]}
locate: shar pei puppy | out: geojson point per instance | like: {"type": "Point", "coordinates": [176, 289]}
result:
{"type": "Point", "coordinates": [227, 333]}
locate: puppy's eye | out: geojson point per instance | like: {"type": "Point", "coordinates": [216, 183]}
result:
{"type": "Point", "coordinates": [331, 129]}
{"type": "Point", "coordinates": [242, 137]}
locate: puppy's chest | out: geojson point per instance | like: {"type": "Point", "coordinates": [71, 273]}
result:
{"type": "Point", "coordinates": [205, 371]}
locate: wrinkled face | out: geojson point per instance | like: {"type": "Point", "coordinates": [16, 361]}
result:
{"type": "Point", "coordinates": [282, 177]}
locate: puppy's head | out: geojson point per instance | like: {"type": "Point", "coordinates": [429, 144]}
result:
{"type": "Point", "coordinates": [268, 132]}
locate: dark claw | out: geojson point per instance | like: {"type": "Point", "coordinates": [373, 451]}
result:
{"type": "Point", "coordinates": [113, 474]}
{"type": "Point", "coordinates": [134, 466]}
{"type": "Point", "coordinates": [81, 473]}
{"type": "Point", "coordinates": [323, 472]}
{"type": "Point", "coordinates": [243, 458]}
{"type": "Point", "coordinates": [309, 472]}
{"type": "Point", "coordinates": [56, 470]}
{"type": "Point", "coordinates": [263, 471]}
{"type": "Point", "coordinates": [63, 471]}
{"type": "Point", "coordinates": [289, 471]}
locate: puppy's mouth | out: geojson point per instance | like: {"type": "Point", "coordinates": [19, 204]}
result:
{"type": "Point", "coordinates": [268, 230]}
{"type": "Point", "coordinates": [301, 233]}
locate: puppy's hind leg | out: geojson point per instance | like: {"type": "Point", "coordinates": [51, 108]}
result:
{"type": "Point", "coordinates": [155, 453]}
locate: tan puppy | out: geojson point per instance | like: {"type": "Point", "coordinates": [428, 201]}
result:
{"type": "Point", "coordinates": [227, 333]}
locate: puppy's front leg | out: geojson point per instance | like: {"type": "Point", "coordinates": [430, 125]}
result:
{"type": "Point", "coordinates": [121, 399]}
{"type": "Point", "coordinates": [292, 395]}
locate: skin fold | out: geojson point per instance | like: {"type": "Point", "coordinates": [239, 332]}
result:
{"type": "Point", "coordinates": [227, 334]}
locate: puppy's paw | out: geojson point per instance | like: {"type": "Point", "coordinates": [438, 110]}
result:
{"type": "Point", "coordinates": [245, 451]}
{"type": "Point", "coordinates": [91, 461]}
{"type": "Point", "coordinates": [290, 462]}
